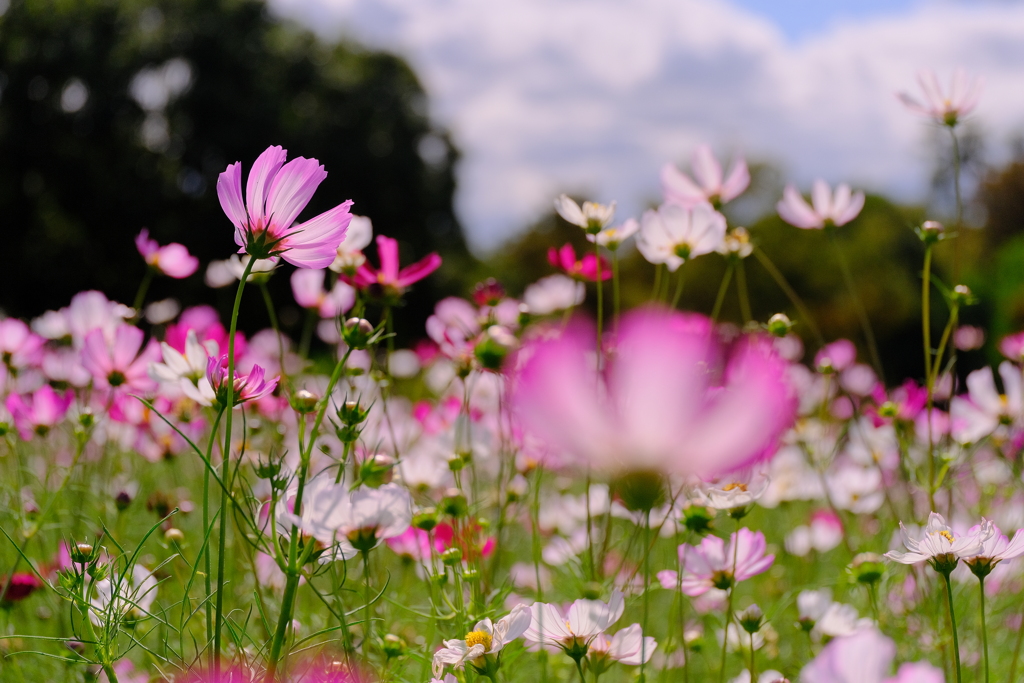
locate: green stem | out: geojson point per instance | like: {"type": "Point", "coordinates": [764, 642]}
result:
{"type": "Point", "coordinates": [753, 668]}
{"type": "Point", "coordinates": [722, 290]}
{"type": "Point", "coordinates": [926, 329]}
{"type": "Point", "coordinates": [272, 314]}
{"type": "Point", "coordinates": [207, 560]}
{"type": "Point", "coordinates": [647, 591]}
{"type": "Point", "coordinates": [599, 284]}
{"type": "Point", "coordinates": [590, 530]}
{"type": "Point", "coordinates": [579, 668]}
{"type": "Point", "coordinates": [287, 603]}
{"type": "Point", "coordinates": [307, 333]}
{"type": "Point", "coordinates": [615, 285]}
{"type": "Point", "coordinates": [728, 604]}
{"type": "Point", "coordinates": [367, 598]}
{"type": "Point", "coordinates": [679, 286]}
{"type": "Point", "coordinates": [225, 465]}
{"type": "Point", "coordinates": [784, 285]}
{"type": "Point", "coordinates": [1016, 655]}
{"type": "Point", "coordinates": [862, 314]}
{"type": "Point", "coordinates": [959, 202]}
{"type": "Point", "coordinates": [984, 626]}
{"type": "Point", "coordinates": [952, 623]}
{"type": "Point", "coordinates": [140, 296]}
{"type": "Point", "coordinates": [657, 281]}
{"type": "Point", "coordinates": [741, 287]}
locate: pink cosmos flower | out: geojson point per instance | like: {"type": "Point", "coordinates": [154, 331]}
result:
{"type": "Point", "coordinates": [578, 626]}
{"type": "Point", "coordinates": [865, 656]}
{"type": "Point", "coordinates": [838, 355]}
{"type": "Point", "coordinates": [715, 564]}
{"type": "Point", "coordinates": [964, 93]}
{"type": "Point", "coordinates": [37, 413]}
{"type": "Point", "coordinates": [207, 326]}
{"type": "Point", "coordinates": [940, 544]}
{"type": "Point", "coordinates": [308, 288]}
{"type": "Point", "coordinates": [213, 387]}
{"type": "Point", "coordinates": [122, 364]}
{"type": "Point", "coordinates": [984, 409]}
{"type": "Point", "coordinates": [1012, 346]}
{"type": "Point", "coordinates": [628, 646]}
{"type": "Point", "coordinates": [22, 585]}
{"type": "Point", "coordinates": [707, 184]}
{"type": "Point", "coordinates": [995, 547]}
{"type": "Point", "coordinates": [389, 277]}
{"type": "Point", "coordinates": [904, 403]}
{"type": "Point", "coordinates": [825, 209]}
{"type": "Point", "coordinates": [275, 194]}
{"type": "Point", "coordinates": [172, 260]}
{"type": "Point", "coordinates": [673, 235]}
{"type": "Point", "coordinates": [582, 269]}
{"type": "Point", "coordinates": [669, 400]}
{"type": "Point", "coordinates": [19, 347]}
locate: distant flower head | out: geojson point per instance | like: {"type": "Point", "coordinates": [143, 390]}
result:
{"type": "Point", "coordinates": [984, 410]}
{"type": "Point", "coordinates": [552, 294]}
{"type": "Point", "coordinates": [995, 547]}
{"type": "Point", "coordinates": [350, 252]}
{"type": "Point", "coordinates": [707, 184]}
{"type": "Point", "coordinates": [673, 235]}
{"type": "Point", "coordinates": [825, 209]}
{"type": "Point", "coordinates": [180, 367]}
{"type": "Point", "coordinates": [483, 645]}
{"type": "Point", "coordinates": [733, 490]}
{"type": "Point", "coordinates": [612, 238]}
{"type": "Point", "coordinates": [585, 268]}
{"type": "Point", "coordinates": [592, 217]}
{"type": "Point", "coordinates": [577, 627]}
{"type": "Point", "coordinates": [389, 278]}
{"type": "Point", "coordinates": [223, 273]}
{"type": "Point", "coordinates": [628, 646]}
{"type": "Point", "coordinates": [122, 365]}
{"type": "Point", "coordinates": [276, 193]}
{"type": "Point", "coordinates": [309, 292]}
{"type": "Point", "coordinates": [667, 402]}
{"type": "Point", "coordinates": [939, 545]}
{"type": "Point", "coordinates": [865, 656]}
{"type": "Point", "coordinates": [18, 587]}
{"type": "Point", "coordinates": [19, 346]}
{"type": "Point", "coordinates": [37, 413]}
{"type": "Point", "coordinates": [172, 260]}
{"type": "Point", "coordinates": [715, 564]}
{"type": "Point", "coordinates": [1012, 346]}
{"type": "Point", "coordinates": [946, 109]}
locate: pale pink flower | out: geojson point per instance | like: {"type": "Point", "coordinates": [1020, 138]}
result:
{"type": "Point", "coordinates": [715, 564]}
{"type": "Point", "coordinates": [389, 277]}
{"type": "Point", "coordinates": [667, 401]}
{"type": "Point", "coordinates": [837, 356]}
{"type": "Point", "coordinates": [707, 184]}
{"type": "Point", "coordinates": [552, 294]}
{"type": "Point", "coordinates": [350, 252]}
{"type": "Point", "coordinates": [189, 366]}
{"type": "Point", "coordinates": [172, 260]}
{"type": "Point", "coordinates": [37, 413]}
{"type": "Point", "coordinates": [581, 623]}
{"type": "Point", "coordinates": [984, 409]}
{"type": "Point", "coordinates": [485, 641]}
{"type": "Point", "coordinates": [19, 346]}
{"type": "Point", "coordinates": [865, 656]}
{"type": "Point", "coordinates": [948, 110]}
{"type": "Point", "coordinates": [825, 209]}
{"type": "Point", "coordinates": [969, 338]}
{"type": "Point", "coordinates": [673, 235]}
{"type": "Point", "coordinates": [309, 292]}
{"type": "Point", "coordinates": [628, 646]}
{"type": "Point", "coordinates": [123, 364]}
{"type": "Point", "coordinates": [454, 327]}
{"type": "Point", "coordinates": [275, 195]}
{"type": "Point", "coordinates": [939, 543]}
{"type": "Point", "coordinates": [1012, 346]}
{"type": "Point", "coordinates": [995, 547]}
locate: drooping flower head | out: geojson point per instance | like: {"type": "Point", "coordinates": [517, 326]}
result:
{"type": "Point", "coordinates": [172, 260]}
{"type": "Point", "coordinates": [825, 210]}
{"type": "Point", "coordinates": [389, 279]}
{"type": "Point", "coordinates": [707, 184]}
{"type": "Point", "coordinates": [673, 235]}
{"type": "Point", "coordinates": [275, 195]}
{"type": "Point", "coordinates": [946, 109]}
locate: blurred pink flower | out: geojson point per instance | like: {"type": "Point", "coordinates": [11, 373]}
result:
{"type": "Point", "coordinates": [837, 356]}
{"type": "Point", "coordinates": [248, 387]}
{"type": "Point", "coordinates": [19, 346]}
{"type": "Point", "coordinates": [905, 403]}
{"type": "Point", "coordinates": [275, 194]}
{"type": "Point", "coordinates": [995, 547]}
{"type": "Point", "coordinates": [679, 188]}
{"type": "Point", "coordinates": [969, 338]}
{"type": "Point", "coordinates": [825, 209]}
{"type": "Point", "coordinates": [393, 280]}
{"type": "Point", "coordinates": [715, 564]}
{"type": "Point", "coordinates": [668, 401]}
{"type": "Point", "coordinates": [985, 409]}
{"type": "Point", "coordinates": [964, 93]}
{"type": "Point", "coordinates": [865, 656]}
{"type": "Point", "coordinates": [1012, 346]}
{"type": "Point", "coordinates": [22, 585]}
{"type": "Point", "coordinates": [309, 292]}
{"type": "Point", "coordinates": [591, 216]}
{"type": "Point", "coordinates": [122, 364]}
{"type": "Point", "coordinates": [173, 260]}
{"type": "Point", "coordinates": [37, 413]}
{"type": "Point", "coordinates": [206, 323]}
{"type": "Point", "coordinates": [582, 269]}
{"type": "Point", "coordinates": [628, 646]}
{"type": "Point", "coordinates": [673, 234]}
{"type": "Point", "coordinates": [583, 621]}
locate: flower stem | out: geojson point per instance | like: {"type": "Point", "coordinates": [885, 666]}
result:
{"type": "Point", "coordinates": [865, 322]}
{"type": "Point", "coordinates": [647, 590]}
{"type": "Point", "coordinates": [722, 290]}
{"type": "Point", "coordinates": [657, 281]}
{"type": "Point", "coordinates": [753, 661]}
{"type": "Point", "coordinates": [140, 296]}
{"type": "Point", "coordinates": [367, 628]}
{"type": "Point", "coordinates": [952, 623]}
{"type": "Point", "coordinates": [780, 280]}
{"type": "Point", "coordinates": [599, 284]}
{"type": "Point", "coordinates": [1016, 654]}
{"type": "Point", "coordinates": [984, 627]}
{"type": "Point", "coordinates": [579, 668]}
{"type": "Point", "coordinates": [959, 201]}
{"type": "Point", "coordinates": [615, 285]}
{"type": "Point", "coordinates": [679, 286]}
{"type": "Point", "coordinates": [926, 329]}
{"type": "Point", "coordinates": [741, 288]}
{"type": "Point", "coordinates": [725, 636]}
{"type": "Point", "coordinates": [225, 465]}
{"type": "Point", "coordinates": [207, 559]}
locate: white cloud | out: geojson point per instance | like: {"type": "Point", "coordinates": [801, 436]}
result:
{"type": "Point", "coordinates": [594, 95]}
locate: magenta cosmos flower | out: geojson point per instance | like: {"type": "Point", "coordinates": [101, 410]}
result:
{"type": "Point", "coordinates": [670, 400]}
{"type": "Point", "coordinates": [213, 388]}
{"type": "Point", "coordinates": [389, 277]}
{"type": "Point", "coordinates": [964, 93]}
{"type": "Point", "coordinates": [275, 194]}
{"type": "Point", "coordinates": [173, 260]}
{"type": "Point", "coordinates": [37, 413]}
{"type": "Point", "coordinates": [122, 363]}
{"type": "Point", "coordinates": [581, 269]}
{"type": "Point", "coordinates": [707, 184]}
{"type": "Point", "coordinates": [715, 564]}
{"type": "Point", "coordinates": [826, 209]}
{"type": "Point", "coordinates": [19, 346]}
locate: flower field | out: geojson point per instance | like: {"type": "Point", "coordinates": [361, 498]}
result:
{"type": "Point", "coordinates": [547, 487]}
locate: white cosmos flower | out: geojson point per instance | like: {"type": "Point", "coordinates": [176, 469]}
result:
{"type": "Point", "coordinates": [628, 646]}
{"type": "Point", "coordinates": [939, 545]}
{"type": "Point", "coordinates": [350, 251]}
{"type": "Point", "coordinates": [356, 520]}
{"type": "Point", "coordinates": [190, 366]}
{"type": "Point", "coordinates": [584, 620]}
{"type": "Point", "coordinates": [553, 293]}
{"type": "Point", "coordinates": [995, 547]}
{"type": "Point", "coordinates": [733, 490]}
{"type": "Point", "coordinates": [612, 238]}
{"type": "Point", "coordinates": [673, 235]}
{"type": "Point", "coordinates": [591, 216]}
{"type": "Point", "coordinates": [485, 639]}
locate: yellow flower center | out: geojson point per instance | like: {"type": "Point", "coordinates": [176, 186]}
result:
{"type": "Point", "coordinates": [735, 485]}
{"type": "Point", "coordinates": [948, 536]}
{"type": "Point", "coordinates": [479, 638]}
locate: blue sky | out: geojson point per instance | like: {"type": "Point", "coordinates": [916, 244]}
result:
{"type": "Point", "coordinates": [592, 97]}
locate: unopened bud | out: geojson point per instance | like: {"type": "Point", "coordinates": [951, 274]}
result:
{"type": "Point", "coordinates": [698, 519]}
{"type": "Point", "coordinates": [930, 232]}
{"type": "Point", "coordinates": [452, 556]}
{"type": "Point", "coordinates": [122, 500]}
{"type": "Point", "coordinates": [962, 294]}
{"type": "Point", "coordinates": [454, 504]}
{"type": "Point", "coordinates": [357, 332]}
{"type": "Point", "coordinates": [425, 519]}
{"type": "Point", "coordinates": [304, 402]}
{"type": "Point", "coordinates": [86, 418]}
{"type": "Point", "coordinates": [81, 553]}
{"type": "Point", "coordinates": [495, 346]}
{"type": "Point", "coordinates": [779, 325]}
{"type": "Point", "coordinates": [750, 619]}
{"type": "Point", "coordinates": [174, 535]}
{"type": "Point", "coordinates": [394, 646]}
{"type": "Point", "coordinates": [377, 470]}
{"type": "Point", "coordinates": [517, 488]}
{"type": "Point", "coordinates": [867, 568]}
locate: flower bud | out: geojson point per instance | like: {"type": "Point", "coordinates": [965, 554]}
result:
{"type": "Point", "coordinates": [394, 646]}
{"type": "Point", "coordinates": [304, 402]}
{"type": "Point", "coordinates": [81, 553]}
{"type": "Point", "coordinates": [488, 293]}
{"type": "Point", "coordinates": [122, 500]}
{"type": "Point", "coordinates": [962, 295]}
{"type": "Point", "coordinates": [779, 325]}
{"type": "Point", "coordinates": [592, 590]}
{"type": "Point", "coordinates": [268, 469]}
{"type": "Point", "coordinates": [495, 346]}
{"type": "Point", "coordinates": [930, 232]}
{"type": "Point", "coordinates": [470, 575]}
{"type": "Point", "coordinates": [174, 535]}
{"type": "Point", "coordinates": [517, 488]}
{"type": "Point", "coordinates": [425, 519]}
{"type": "Point", "coordinates": [750, 619]}
{"type": "Point", "coordinates": [451, 557]}
{"type": "Point", "coordinates": [357, 332]}
{"type": "Point", "coordinates": [86, 418]}
{"type": "Point", "coordinates": [377, 470]}
{"type": "Point", "coordinates": [698, 519]}
{"type": "Point", "coordinates": [867, 568]}
{"type": "Point", "coordinates": [454, 504]}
